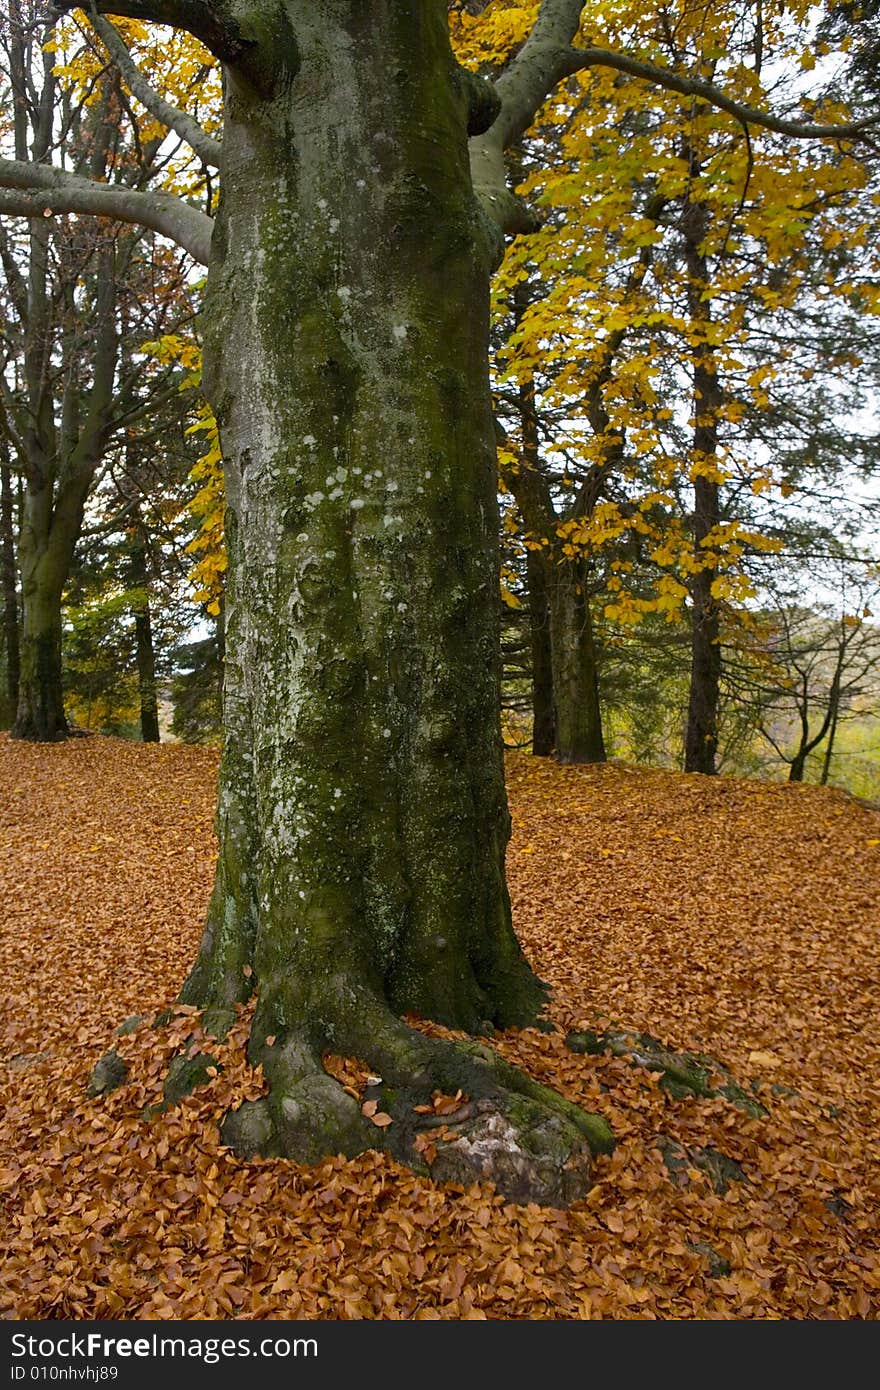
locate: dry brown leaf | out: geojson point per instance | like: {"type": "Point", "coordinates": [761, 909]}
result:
{"type": "Point", "coordinates": [748, 926]}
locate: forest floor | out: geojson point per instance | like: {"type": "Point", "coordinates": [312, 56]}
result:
{"type": "Point", "coordinates": [734, 918]}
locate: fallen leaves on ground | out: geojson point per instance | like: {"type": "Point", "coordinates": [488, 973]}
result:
{"type": "Point", "coordinates": [730, 918]}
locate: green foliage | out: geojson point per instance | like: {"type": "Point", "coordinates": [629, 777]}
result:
{"type": "Point", "coordinates": [99, 663]}
{"type": "Point", "coordinates": [196, 692]}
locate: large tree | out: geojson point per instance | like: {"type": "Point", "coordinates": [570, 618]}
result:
{"type": "Point", "coordinates": [362, 815]}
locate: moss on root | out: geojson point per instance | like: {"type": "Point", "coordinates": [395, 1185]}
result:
{"type": "Point", "coordinates": [107, 1074]}
{"type": "Point", "coordinates": [508, 1129]}
{"type": "Point", "coordinates": [681, 1159]}
{"type": "Point", "coordinates": [681, 1073]}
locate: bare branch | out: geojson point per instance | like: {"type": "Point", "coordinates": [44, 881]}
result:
{"type": "Point", "coordinates": [181, 122]}
{"type": "Point", "coordinates": [40, 190]}
{"type": "Point", "coordinates": [580, 58]}
{"type": "Point", "coordinates": [15, 280]}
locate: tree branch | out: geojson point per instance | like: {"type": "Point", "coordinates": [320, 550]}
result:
{"type": "Point", "coordinates": [547, 57]}
{"type": "Point", "coordinates": [260, 46]}
{"type": "Point", "coordinates": [15, 280]}
{"type": "Point", "coordinates": [540, 65]}
{"type": "Point", "coordinates": [579, 58]}
{"type": "Point", "coordinates": [522, 88]}
{"type": "Point", "coordinates": [210, 20]}
{"type": "Point", "coordinates": [181, 122]}
{"type": "Point", "coordinates": [41, 190]}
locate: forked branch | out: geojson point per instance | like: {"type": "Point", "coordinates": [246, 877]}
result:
{"type": "Point", "coordinates": [181, 122]}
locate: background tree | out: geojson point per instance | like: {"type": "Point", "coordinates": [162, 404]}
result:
{"type": "Point", "coordinates": [620, 327]}
{"type": "Point", "coordinates": [807, 668]}
{"type": "Point", "coordinates": [82, 298]}
{"type": "Point", "coordinates": [128, 602]}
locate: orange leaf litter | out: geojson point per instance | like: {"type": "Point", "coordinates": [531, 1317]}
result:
{"type": "Point", "coordinates": [728, 917]}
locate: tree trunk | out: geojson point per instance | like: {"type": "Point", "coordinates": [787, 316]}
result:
{"type": "Point", "coordinates": [144, 652]}
{"type": "Point", "coordinates": [829, 748]}
{"type": "Point", "coordinates": [362, 815]}
{"type": "Point", "coordinates": [543, 714]}
{"type": "Point", "coordinates": [565, 684]}
{"type": "Point", "coordinates": [146, 669]}
{"type": "Point", "coordinates": [701, 738]}
{"type": "Point", "coordinates": [60, 468]}
{"type": "Point", "coordinates": [578, 715]}
{"type": "Point", "coordinates": [44, 560]}
{"type": "Point", "coordinates": [10, 588]}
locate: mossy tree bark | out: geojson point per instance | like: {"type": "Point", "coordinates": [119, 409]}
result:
{"type": "Point", "coordinates": [40, 712]}
{"type": "Point", "coordinates": [362, 816]}
{"type": "Point", "coordinates": [9, 572]}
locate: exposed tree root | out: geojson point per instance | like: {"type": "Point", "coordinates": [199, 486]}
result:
{"type": "Point", "coordinates": [682, 1073]}
{"type": "Point", "coordinates": [719, 1168]}
{"type": "Point", "coordinates": [508, 1129]}
{"type": "Point", "coordinates": [498, 1124]}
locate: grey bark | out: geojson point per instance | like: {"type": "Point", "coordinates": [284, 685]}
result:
{"type": "Point", "coordinates": [362, 816]}
{"type": "Point", "coordinates": [9, 573]}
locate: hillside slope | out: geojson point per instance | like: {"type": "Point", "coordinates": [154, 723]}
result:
{"type": "Point", "coordinates": [732, 918]}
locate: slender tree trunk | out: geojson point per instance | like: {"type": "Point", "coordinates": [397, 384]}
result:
{"type": "Point", "coordinates": [827, 727]}
{"type": "Point", "coordinates": [701, 739]}
{"type": "Point", "coordinates": [10, 587]}
{"type": "Point", "coordinates": [44, 561]}
{"type": "Point", "coordinates": [62, 442]}
{"type": "Point", "coordinates": [701, 736]}
{"type": "Point", "coordinates": [564, 653]}
{"type": "Point", "coordinates": [543, 713]}
{"type": "Point", "coordinates": [39, 708]}
{"type": "Point", "coordinates": [362, 816]}
{"type": "Point", "coordinates": [144, 653]}
{"type": "Point", "coordinates": [829, 748]}
{"type": "Point", "coordinates": [146, 669]}
{"type": "Point", "coordinates": [51, 526]}
{"type": "Point", "coordinates": [578, 715]}
{"type": "Point", "coordinates": [536, 505]}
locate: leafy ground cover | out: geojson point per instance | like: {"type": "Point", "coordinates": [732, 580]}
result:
{"type": "Point", "coordinates": [734, 919]}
